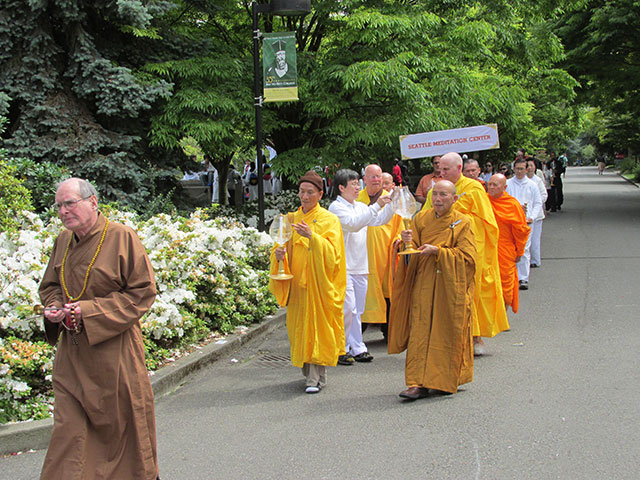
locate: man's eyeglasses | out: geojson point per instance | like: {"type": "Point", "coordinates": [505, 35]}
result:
{"type": "Point", "coordinates": [69, 204]}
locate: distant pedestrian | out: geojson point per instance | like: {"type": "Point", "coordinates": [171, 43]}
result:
{"type": "Point", "coordinates": [396, 172]}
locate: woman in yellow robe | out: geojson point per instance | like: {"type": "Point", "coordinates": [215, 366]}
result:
{"type": "Point", "coordinates": [314, 297]}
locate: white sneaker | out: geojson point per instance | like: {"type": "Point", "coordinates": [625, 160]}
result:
{"type": "Point", "coordinates": [478, 350]}
{"type": "Point", "coordinates": [312, 389]}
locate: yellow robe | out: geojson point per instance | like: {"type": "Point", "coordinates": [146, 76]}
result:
{"type": "Point", "coordinates": [380, 252]}
{"type": "Point", "coordinates": [490, 315]}
{"type": "Point", "coordinates": [315, 295]}
{"type": "Point", "coordinates": [432, 302]}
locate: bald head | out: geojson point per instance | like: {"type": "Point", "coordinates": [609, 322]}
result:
{"type": "Point", "coordinates": [451, 167]}
{"type": "Point", "coordinates": [387, 181]}
{"type": "Point", "coordinates": [443, 196]}
{"type": "Point", "coordinates": [471, 169]}
{"type": "Point", "coordinates": [497, 185]}
{"type": "Point", "coordinates": [372, 178]}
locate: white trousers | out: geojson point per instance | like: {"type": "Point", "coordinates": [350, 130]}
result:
{"type": "Point", "coordinates": [536, 235]}
{"type": "Point", "coordinates": [524, 265]}
{"type": "Point", "coordinates": [354, 301]}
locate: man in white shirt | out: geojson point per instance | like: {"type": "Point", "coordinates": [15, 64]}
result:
{"type": "Point", "coordinates": [526, 192]}
{"type": "Point", "coordinates": [536, 226]}
{"type": "Point", "coordinates": [355, 217]}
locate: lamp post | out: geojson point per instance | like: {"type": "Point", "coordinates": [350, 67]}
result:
{"type": "Point", "coordinates": [288, 8]}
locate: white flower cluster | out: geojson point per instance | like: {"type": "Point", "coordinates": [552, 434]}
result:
{"type": "Point", "coordinates": [25, 257]}
{"type": "Point", "coordinates": [184, 252]}
{"type": "Point", "coordinates": [203, 270]}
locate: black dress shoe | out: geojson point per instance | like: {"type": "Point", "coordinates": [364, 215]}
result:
{"type": "Point", "coordinates": [346, 360]}
{"type": "Point", "coordinates": [363, 357]}
{"type": "Point", "coordinates": [524, 285]}
{"type": "Point", "coordinates": [414, 393]}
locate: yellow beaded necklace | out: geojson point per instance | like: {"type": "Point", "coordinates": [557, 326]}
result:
{"type": "Point", "coordinates": [86, 276]}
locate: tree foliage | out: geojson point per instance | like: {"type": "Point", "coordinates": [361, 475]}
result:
{"type": "Point", "coordinates": [603, 49]}
{"type": "Point", "coordinates": [110, 89]}
{"type": "Point", "coordinates": [69, 69]}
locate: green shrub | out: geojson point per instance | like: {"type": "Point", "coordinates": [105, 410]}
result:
{"type": "Point", "coordinates": [40, 179]}
{"type": "Point", "coordinates": [627, 165]}
{"type": "Point", "coordinates": [14, 197]}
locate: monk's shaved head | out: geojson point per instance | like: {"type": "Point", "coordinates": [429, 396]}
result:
{"type": "Point", "coordinates": [451, 167]}
{"type": "Point", "coordinates": [445, 185]}
{"type": "Point", "coordinates": [497, 185]}
{"type": "Point", "coordinates": [443, 196]}
{"type": "Point", "coordinates": [372, 178]}
{"type": "Point", "coordinates": [387, 181]}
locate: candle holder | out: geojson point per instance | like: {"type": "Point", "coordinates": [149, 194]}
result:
{"type": "Point", "coordinates": [281, 232]}
{"type": "Point", "coordinates": [405, 205]}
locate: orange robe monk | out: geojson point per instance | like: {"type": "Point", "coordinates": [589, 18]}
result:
{"type": "Point", "coordinates": [380, 249]}
{"type": "Point", "coordinates": [432, 303]}
{"type": "Point", "coordinates": [513, 238]}
{"type": "Point", "coordinates": [490, 316]}
{"type": "Point", "coordinates": [104, 423]}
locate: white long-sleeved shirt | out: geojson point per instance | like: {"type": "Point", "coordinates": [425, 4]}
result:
{"type": "Point", "coordinates": [543, 194]}
{"type": "Point", "coordinates": [526, 191]}
{"type": "Point", "coordinates": [355, 218]}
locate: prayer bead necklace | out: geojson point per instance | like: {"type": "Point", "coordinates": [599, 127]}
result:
{"type": "Point", "coordinates": [86, 276]}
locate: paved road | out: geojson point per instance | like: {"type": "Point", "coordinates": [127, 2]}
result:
{"type": "Point", "coordinates": [557, 397]}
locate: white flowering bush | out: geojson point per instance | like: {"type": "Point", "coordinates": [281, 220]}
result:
{"type": "Point", "coordinates": [211, 276]}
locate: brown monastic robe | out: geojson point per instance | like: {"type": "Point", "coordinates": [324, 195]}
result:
{"type": "Point", "coordinates": [104, 422]}
{"type": "Point", "coordinates": [432, 304]}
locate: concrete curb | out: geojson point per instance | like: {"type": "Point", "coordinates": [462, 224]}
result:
{"type": "Point", "coordinates": [627, 179]}
{"type": "Point", "coordinates": [35, 435]}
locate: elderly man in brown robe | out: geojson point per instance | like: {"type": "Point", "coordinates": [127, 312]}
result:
{"type": "Point", "coordinates": [98, 284]}
{"type": "Point", "coordinates": [433, 297]}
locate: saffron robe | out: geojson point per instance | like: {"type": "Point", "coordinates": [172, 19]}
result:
{"type": "Point", "coordinates": [104, 421]}
{"type": "Point", "coordinates": [432, 302]}
{"type": "Point", "coordinates": [489, 315]}
{"type": "Point", "coordinates": [314, 297]}
{"type": "Point", "coordinates": [514, 232]}
{"type": "Point", "coordinates": [380, 249]}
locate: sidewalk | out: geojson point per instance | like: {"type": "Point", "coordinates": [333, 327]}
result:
{"type": "Point", "coordinates": [35, 435]}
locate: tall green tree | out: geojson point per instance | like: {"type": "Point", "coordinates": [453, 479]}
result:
{"type": "Point", "coordinates": [603, 51]}
{"type": "Point", "coordinates": [212, 99]}
{"type": "Point", "coordinates": [372, 71]}
{"type": "Point", "coordinates": [69, 69]}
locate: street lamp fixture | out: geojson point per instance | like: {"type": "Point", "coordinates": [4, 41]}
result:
{"type": "Point", "coordinates": [289, 8]}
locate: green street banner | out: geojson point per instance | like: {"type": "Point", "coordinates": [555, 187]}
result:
{"type": "Point", "coordinates": [279, 67]}
{"type": "Point", "coordinates": [468, 139]}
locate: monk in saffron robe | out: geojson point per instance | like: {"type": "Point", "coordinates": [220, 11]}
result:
{"type": "Point", "coordinates": [315, 295]}
{"type": "Point", "coordinates": [380, 242]}
{"type": "Point", "coordinates": [97, 286]}
{"type": "Point", "coordinates": [433, 297]}
{"type": "Point", "coordinates": [489, 315]}
{"type": "Point", "coordinates": [514, 232]}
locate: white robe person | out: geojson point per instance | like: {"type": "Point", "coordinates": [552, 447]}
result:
{"type": "Point", "coordinates": [526, 192]}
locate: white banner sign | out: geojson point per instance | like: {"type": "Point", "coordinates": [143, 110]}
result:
{"type": "Point", "coordinates": [469, 139]}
